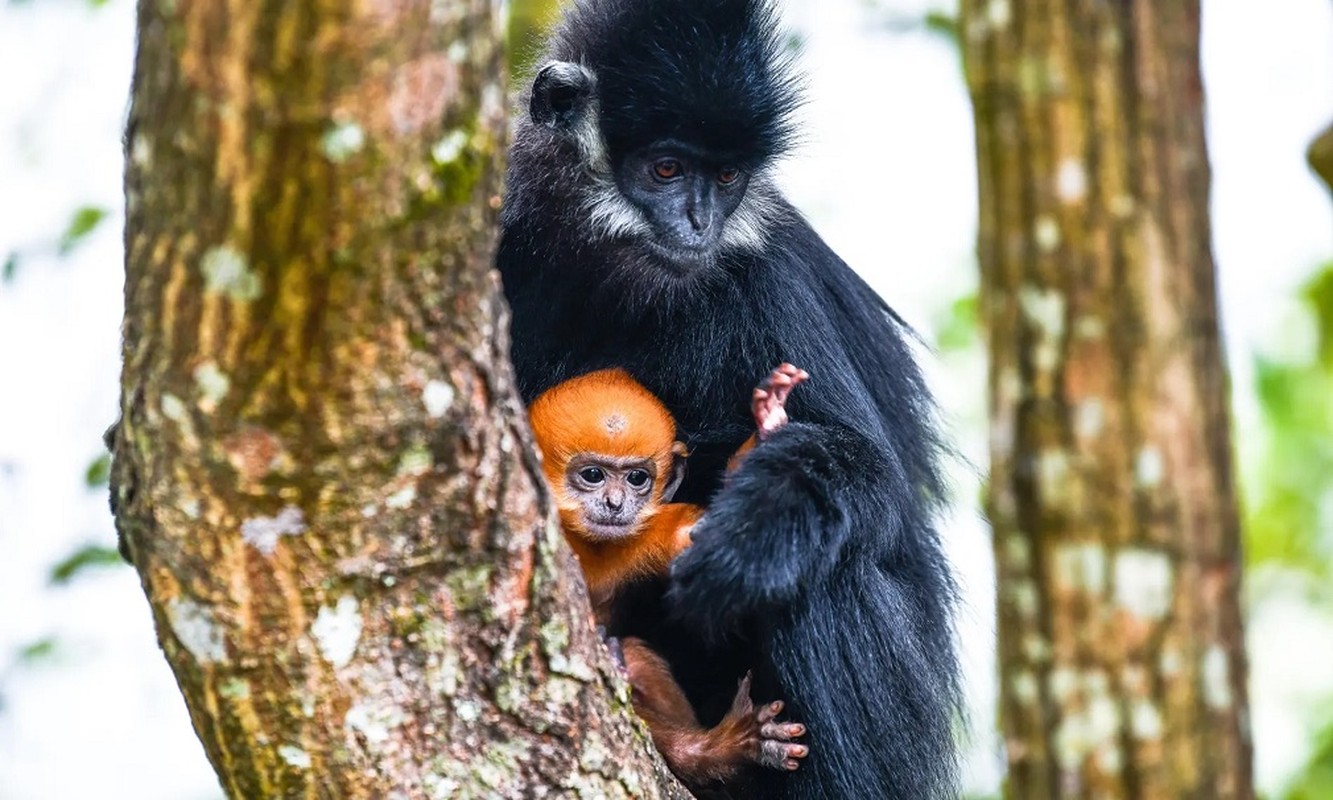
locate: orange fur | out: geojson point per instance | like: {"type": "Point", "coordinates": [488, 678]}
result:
{"type": "Point", "coordinates": [661, 537]}
{"type": "Point", "coordinates": [609, 413]}
{"type": "Point", "coordinates": [734, 463]}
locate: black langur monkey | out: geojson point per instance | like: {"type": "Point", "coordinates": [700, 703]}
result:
{"type": "Point", "coordinates": [643, 230]}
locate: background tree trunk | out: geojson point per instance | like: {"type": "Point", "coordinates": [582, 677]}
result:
{"type": "Point", "coordinates": [322, 473]}
{"type": "Point", "coordinates": [1123, 672]}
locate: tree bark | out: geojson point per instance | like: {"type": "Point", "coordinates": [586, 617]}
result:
{"type": "Point", "coordinates": [322, 472]}
{"type": "Point", "coordinates": [1112, 495]}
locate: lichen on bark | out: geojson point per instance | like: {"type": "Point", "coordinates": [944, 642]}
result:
{"type": "Point", "coordinates": [322, 472]}
{"type": "Point", "coordinates": [1111, 489]}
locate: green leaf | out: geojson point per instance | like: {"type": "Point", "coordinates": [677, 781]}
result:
{"type": "Point", "coordinates": [1318, 295]}
{"type": "Point", "coordinates": [87, 557]}
{"type": "Point", "coordinates": [11, 267]}
{"type": "Point", "coordinates": [1315, 780]}
{"type": "Point", "coordinates": [98, 473]}
{"type": "Point", "coordinates": [84, 221]}
{"type": "Point", "coordinates": [40, 650]}
{"type": "Point", "coordinates": [1288, 478]}
{"type": "Point", "coordinates": [942, 24]}
{"type": "Point", "coordinates": [957, 328]}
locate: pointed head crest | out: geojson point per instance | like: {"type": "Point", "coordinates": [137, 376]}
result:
{"type": "Point", "coordinates": [710, 73]}
{"type": "Point", "coordinates": [605, 412]}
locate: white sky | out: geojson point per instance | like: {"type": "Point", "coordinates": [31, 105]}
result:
{"type": "Point", "coordinates": [887, 176]}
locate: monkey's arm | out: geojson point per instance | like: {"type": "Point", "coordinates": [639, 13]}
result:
{"type": "Point", "coordinates": [781, 523]}
{"type": "Point", "coordinates": [702, 756]}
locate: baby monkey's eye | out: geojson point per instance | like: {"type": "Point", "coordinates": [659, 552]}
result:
{"type": "Point", "coordinates": [637, 478]}
{"type": "Point", "coordinates": [592, 475]}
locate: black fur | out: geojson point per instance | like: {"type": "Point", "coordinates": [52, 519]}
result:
{"type": "Point", "coordinates": [818, 565]}
{"type": "Point", "coordinates": [738, 96]}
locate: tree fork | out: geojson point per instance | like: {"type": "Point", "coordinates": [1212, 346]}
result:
{"type": "Point", "coordinates": [1112, 495]}
{"type": "Point", "coordinates": [322, 472]}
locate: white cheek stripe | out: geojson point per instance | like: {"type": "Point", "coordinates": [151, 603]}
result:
{"type": "Point", "coordinates": [612, 216]}
{"type": "Point", "coordinates": [760, 209]}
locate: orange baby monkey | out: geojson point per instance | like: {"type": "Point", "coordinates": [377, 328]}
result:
{"type": "Point", "coordinates": [611, 455]}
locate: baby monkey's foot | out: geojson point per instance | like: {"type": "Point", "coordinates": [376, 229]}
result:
{"type": "Point", "coordinates": [770, 397]}
{"type": "Point", "coordinates": [774, 743]}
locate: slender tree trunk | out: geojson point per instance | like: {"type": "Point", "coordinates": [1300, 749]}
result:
{"type": "Point", "coordinates": [322, 473]}
{"type": "Point", "coordinates": [1123, 672]}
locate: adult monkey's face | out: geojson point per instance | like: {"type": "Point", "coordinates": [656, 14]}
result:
{"type": "Point", "coordinates": [683, 201]}
{"type": "Point", "coordinates": [686, 194]}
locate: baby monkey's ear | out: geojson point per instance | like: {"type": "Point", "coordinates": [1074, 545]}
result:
{"type": "Point", "coordinates": [678, 455]}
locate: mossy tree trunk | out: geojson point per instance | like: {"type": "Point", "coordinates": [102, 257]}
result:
{"type": "Point", "coordinates": [1123, 671]}
{"type": "Point", "coordinates": [322, 473]}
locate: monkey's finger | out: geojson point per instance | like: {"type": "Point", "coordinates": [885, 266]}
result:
{"type": "Point", "coordinates": [768, 712]}
{"type": "Point", "coordinates": [780, 755]}
{"type": "Point", "coordinates": [782, 731]}
{"type": "Point", "coordinates": [741, 704]}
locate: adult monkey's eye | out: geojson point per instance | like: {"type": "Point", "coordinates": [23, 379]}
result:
{"type": "Point", "coordinates": [637, 478]}
{"type": "Point", "coordinates": [728, 175]}
{"type": "Point", "coordinates": [592, 475]}
{"type": "Point", "coordinates": [667, 168]}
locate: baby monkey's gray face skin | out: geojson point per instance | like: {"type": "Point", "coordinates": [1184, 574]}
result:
{"type": "Point", "coordinates": [612, 491]}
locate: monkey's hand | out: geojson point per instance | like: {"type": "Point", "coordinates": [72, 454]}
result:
{"type": "Point", "coordinates": [769, 402]}
{"type": "Point", "coordinates": [766, 741]}
{"type": "Point", "coordinates": [778, 525]}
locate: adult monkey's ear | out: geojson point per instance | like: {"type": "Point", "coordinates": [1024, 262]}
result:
{"type": "Point", "coordinates": [561, 94]}
{"type": "Point", "coordinates": [678, 454]}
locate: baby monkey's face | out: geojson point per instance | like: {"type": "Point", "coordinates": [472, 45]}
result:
{"type": "Point", "coordinates": [612, 491]}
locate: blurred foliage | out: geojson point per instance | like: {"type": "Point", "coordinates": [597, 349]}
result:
{"type": "Point", "coordinates": [958, 326]}
{"type": "Point", "coordinates": [1316, 781]}
{"type": "Point", "coordinates": [91, 556]}
{"type": "Point", "coordinates": [36, 653]}
{"type": "Point", "coordinates": [528, 23]}
{"type": "Point", "coordinates": [1290, 486]}
{"type": "Point", "coordinates": [98, 473]}
{"type": "Point", "coordinates": [943, 25]}
{"type": "Point", "coordinates": [1289, 523]}
{"type": "Point", "coordinates": [83, 222]}
{"type": "Point", "coordinates": [43, 649]}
